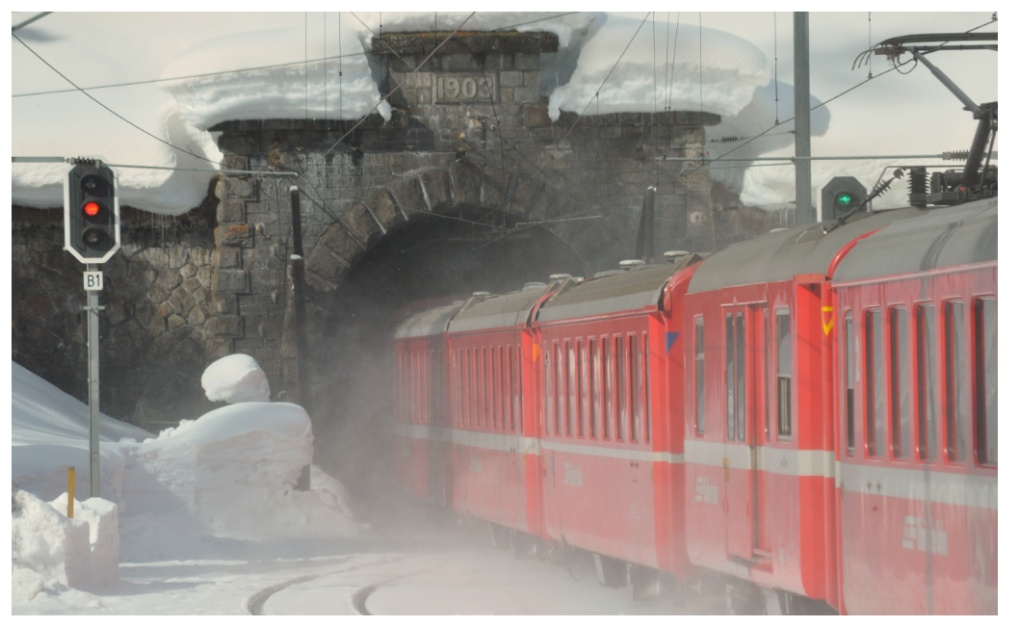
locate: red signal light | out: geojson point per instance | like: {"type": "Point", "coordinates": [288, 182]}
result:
{"type": "Point", "coordinates": [91, 209]}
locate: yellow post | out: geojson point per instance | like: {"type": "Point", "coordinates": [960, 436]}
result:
{"type": "Point", "coordinates": [70, 492]}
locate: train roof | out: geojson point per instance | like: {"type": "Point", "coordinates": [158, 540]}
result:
{"type": "Point", "coordinates": [941, 238]}
{"type": "Point", "coordinates": [627, 290]}
{"type": "Point", "coordinates": [428, 322]}
{"type": "Point", "coordinates": [781, 255]}
{"type": "Point", "coordinates": [500, 311]}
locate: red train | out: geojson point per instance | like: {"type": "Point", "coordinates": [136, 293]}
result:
{"type": "Point", "coordinates": [808, 417]}
{"type": "Point", "coordinates": [808, 420]}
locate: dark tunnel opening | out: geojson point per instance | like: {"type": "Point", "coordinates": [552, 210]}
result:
{"type": "Point", "coordinates": [426, 260]}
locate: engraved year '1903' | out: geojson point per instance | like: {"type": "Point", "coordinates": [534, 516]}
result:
{"type": "Point", "coordinates": [461, 88]}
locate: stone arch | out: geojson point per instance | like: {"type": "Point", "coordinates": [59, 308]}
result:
{"type": "Point", "coordinates": [429, 191]}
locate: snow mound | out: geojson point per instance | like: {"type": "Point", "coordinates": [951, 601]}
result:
{"type": "Point", "coordinates": [50, 551]}
{"type": "Point", "coordinates": [235, 379]}
{"type": "Point", "coordinates": [233, 473]}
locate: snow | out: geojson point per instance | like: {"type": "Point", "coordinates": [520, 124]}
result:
{"type": "Point", "coordinates": [228, 478]}
{"type": "Point", "coordinates": [206, 519]}
{"type": "Point", "coordinates": [154, 83]}
{"type": "Point", "coordinates": [235, 378]}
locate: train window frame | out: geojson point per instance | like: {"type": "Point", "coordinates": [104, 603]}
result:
{"type": "Point", "coordinates": [928, 401]}
{"type": "Point", "coordinates": [623, 404]}
{"type": "Point", "coordinates": [900, 384]}
{"type": "Point", "coordinates": [560, 385]}
{"type": "Point", "coordinates": [606, 391]}
{"type": "Point", "coordinates": [507, 425]}
{"type": "Point", "coordinates": [741, 377]}
{"type": "Point", "coordinates": [595, 380]}
{"type": "Point", "coordinates": [783, 380]}
{"type": "Point", "coordinates": [851, 379]}
{"type": "Point", "coordinates": [986, 379]}
{"type": "Point", "coordinates": [957, 382]}
{"type": "Point", "coordinates": [646, 398]}
{"type": "Point", "coordinates": [875, 382]}
{"type": "Point", "coordinates": [583, 394]}
{"type": "Point", "coordinates": [699, 362]}
{"type": "Point", "coordinates": [572, 376]}
{"type": "Point", "coordinates": [492, 378]}
{"type": "Point", "coordinates": [633, 378]}
{"type": "Point", "coordinates": [730, 376]}
{"type": "Point", "coordinates": [548, 388]}
{"type": "Point", "coordinates": [518, 415]}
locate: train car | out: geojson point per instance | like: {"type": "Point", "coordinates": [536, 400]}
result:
{"type": "Point", "coordinates": [759, 442]}
{"type": "Point", "coordinates": [420, 429]}
{"type": "Point", "coordinates": [611, 427]}
{"type": "Point", "coordinates": [916, 367]}
{"type": "Point", "coordinates": [491, 389]}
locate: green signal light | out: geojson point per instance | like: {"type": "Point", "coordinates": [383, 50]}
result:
{"type": "Point", "coordinates": [844, 199]}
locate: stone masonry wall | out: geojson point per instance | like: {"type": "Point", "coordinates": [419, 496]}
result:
{"type": "Point", "coordinates": [469, 136]}
{"type": "Point", "coordinates": [157, 317]}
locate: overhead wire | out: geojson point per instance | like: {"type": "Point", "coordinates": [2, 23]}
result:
{"type": "Point", "coordinates": [109, 109]}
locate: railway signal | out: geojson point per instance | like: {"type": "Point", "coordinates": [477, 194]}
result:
{"type": "Point", "coordinates": [840, 196]}
{"type": "Point", "coordinates": [91, 229]}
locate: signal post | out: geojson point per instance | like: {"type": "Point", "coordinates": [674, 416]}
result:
{"type": "Point", "coordinates": [91, 233]}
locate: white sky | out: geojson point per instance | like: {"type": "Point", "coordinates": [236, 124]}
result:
{"type": "Point", "coordinates": [736, 64]}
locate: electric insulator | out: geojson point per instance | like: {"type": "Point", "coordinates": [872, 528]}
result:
{"type": "Point", "coordinates": [955, 155]}
{"type": "Point", "coordinates": [918, 183]}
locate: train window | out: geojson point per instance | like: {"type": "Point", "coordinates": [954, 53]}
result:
{"type": "Point", "coordinates": [506, 389]}
{"type": "Point", "coordinates": [928, 401]}
{"type": "Point", "coordinates": [493, 384]}
{"type": "Point", "coordinates": [621, 396]}
{"type": "Point", "coordinates": [699, 374]}
{"type": "Point", "coordinates": [462, 395]}
{"type": "Point", "coordinates": [515, 357]}
{"type": "Point", "coordinates": [783, 337]}
{"type": "Point", "coordinates": [559, 382]}
{"type": "Point", "coordinates": [740, 377]}
{"type": "Point", "coordinates": [485, 387]}
{"type": "Point", "coordinates": [507, 421]}
{"type": "Point", "coordinates": [422, 389]}
{"type": "Point", "coordinates": [850, 377]}
{"type": "Point", "coordinates": [548, 390]}
{"type": "Point", "coordinates": [957, 383]}
{"type": "Point", "coordinates": [606, 390]}
{"type": "Point", "coordinates": [583, 368]}
{"type": "Point", "coordinates": [643, 374]}
{"type": "Point", "coordinates": [900, 383]}
{"type": "Point", "coordinates": [986, 395]}
{"type": "Point", "coordinates": [594, 358]}
{"type": "Point", "coordinates": [730, 378]}
{"type": "Point", "coordinates": [572, 413]}
{"type": "Point", "coordinates": [476, 387]}
{"type": "Point", "coordinates": [633, 398]}
{"type": "Point", "coordinates": [875, 382]}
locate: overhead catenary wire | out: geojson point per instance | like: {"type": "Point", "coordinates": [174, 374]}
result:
{"type": "Point", "coordinates": [109, 109]}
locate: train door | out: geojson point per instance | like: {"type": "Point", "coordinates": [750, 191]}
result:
{"type": "Point", "coordinates": [744, 383]}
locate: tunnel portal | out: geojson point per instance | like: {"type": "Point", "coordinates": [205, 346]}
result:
{"type": "Point", "coordinates": [432, 258]}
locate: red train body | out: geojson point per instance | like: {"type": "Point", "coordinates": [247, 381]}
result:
{"type": "Point", "coordinates": [808, 415]}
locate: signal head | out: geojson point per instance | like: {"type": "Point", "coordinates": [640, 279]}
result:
{"type": "Point", "coordinates": [91, 213]}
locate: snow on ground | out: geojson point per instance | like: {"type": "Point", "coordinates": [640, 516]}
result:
{"type": "Point", "coordinates": [225, 481]}
{"type": "Point", "coordinates": [206, 519]}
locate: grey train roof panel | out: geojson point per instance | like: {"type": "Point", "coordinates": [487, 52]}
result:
{"type": "Point", "coordinates": [629, 290]}
{"type": "Point", "coordinates": [427, 322]}
{"type": "Point", "coordinates": [947, 236]}
{"type": "Point", "coordinates": [781, 255]}
{"type": "Point", "coordinates": [495, 312]}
